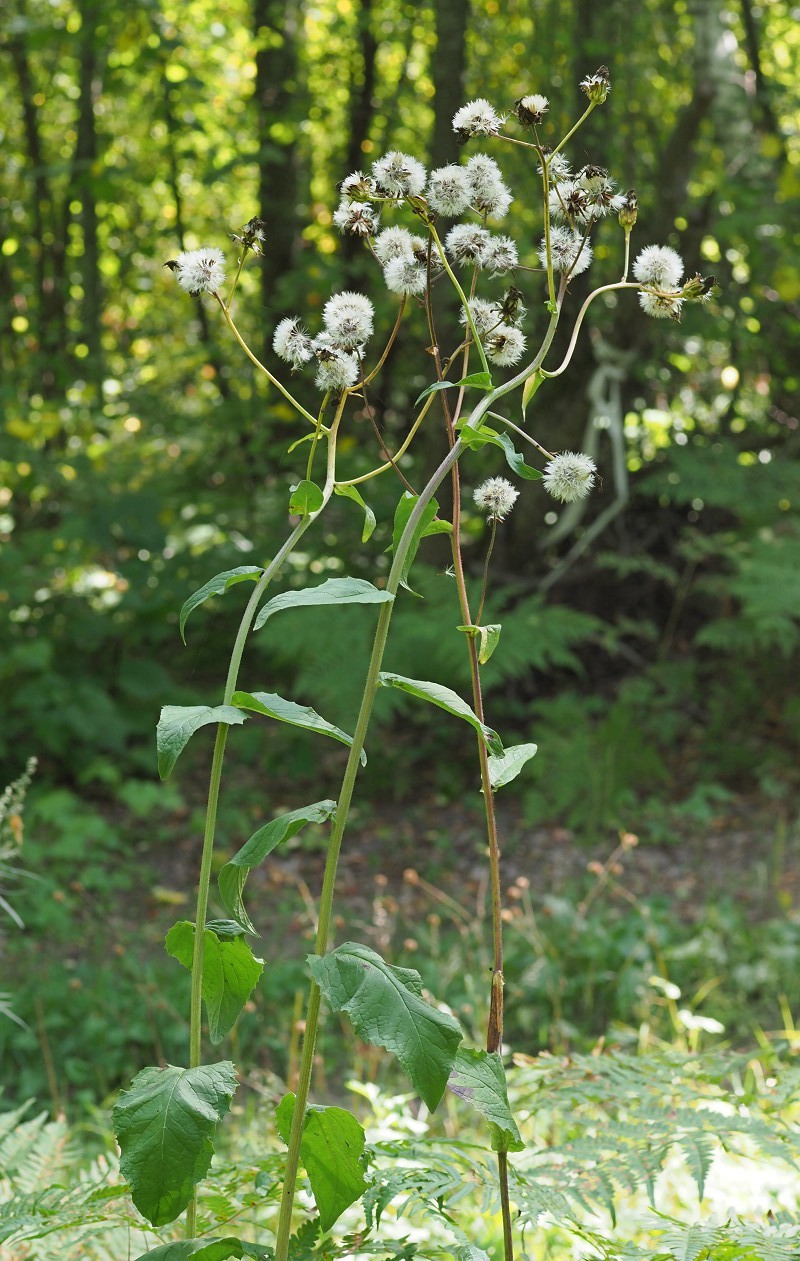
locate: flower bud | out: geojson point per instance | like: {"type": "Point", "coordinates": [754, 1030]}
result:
{"type": "Point", "coordinates": [630, 210]}
{"type": "Point", "coordinates": [596, 86]}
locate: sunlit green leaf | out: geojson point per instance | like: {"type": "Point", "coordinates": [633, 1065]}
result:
{"type": "Point", "coordinates": [230, 973]}
{"type": "Point", "coordinates": [475, 381]}
{"type": "Point", "coordinates": [306, 497]}
{"type": "Point", "coordinates": [274, 706]}
{"type": "Point", "coordinates": [206, 1250]}
{"type": "Point", "coordinates": [331, 1150]}
{"type": "Point", "coordinates": [216, 586]}
{"type": "Point", "coordinates": [370, 520]}
{"type": "Point", "coordinates": [505, 766]}
{"type": "Point", "coordinates": [332, 591]}
{"type": "Point", "coordinates": [444, 698]}
{"type": "Point", "coordinates": [479, 1078]}
{"type": "Point", "coordinates": [177, 725]}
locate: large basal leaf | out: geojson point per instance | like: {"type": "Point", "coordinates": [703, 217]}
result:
{"type": "Point", "coordinates": [331, 1151]}
{"type": "Point", "coordinates": [274, 706]}
{"type": "Point", "coordinates": [480, 1079]}
{"type": "Point", "coordinates": [505, 766]}
{"type": "Point", "coordinates": [165, 1125]}
{"type": "Point", "coordinates": [216, 586]}
{"type": "Point", "coordinates": [234, 874]}
{"type": "Point", "coordinates": [230, 973]}
{"type": "Point", "coordinates": [425, 526]}
{"type": "Point", "coordinates": [370, 520]}
{"type": "Point", "coordinates": [332, 591]}
{"type": "Point", "coordinates": [386, 1009]}
{"type": "Point", "coordinates": [447, 699]}
{"type": "Point", "coordinates": [206, 1250]}
{"type": "Point", "coordinates": [177, 725]}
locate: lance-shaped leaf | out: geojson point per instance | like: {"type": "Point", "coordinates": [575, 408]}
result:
{"type": "Point", "coordinates": [480, 1079]}
{"type": "Point", "coordinates": [177, 725]}
{"type": "Point", "coordinates": [333, 591]}
{"type": "Point", "coordinates": [274, 706]}
{"type": "Point", "coordinates": [530, 387]}
{"type": "Point", "coordinates": [474, 439]}
{"type": "Point", "coordinates": [425, 526]}
{"type": "Point", "coordinates": [386, 1008]}
{"type": "Point", "coordinates": [165, 1126]}
{"type": "Point", "coordinates": [447, 699]}
{"type": "Point", "coordinates": [370, 520]}
{"type": "Point", "coordinates": [306, 497]}
{"type": "Point", "coordinates": [475, 381]}
{"type": "Point", "coordinates": [505, 766]}
{"type": "Point", "coordinates": [331, 1150]}
{"type": "Point", "coordinates": [230, 973]}
{"type": "Point", "coordinates": [206, 1250]}
{"type": "Point", "coordinates": [216, 586]}
{"type": "Point", "coordinates": [233, 875]}
{"type": "Point", "coordinates": [489, 637]}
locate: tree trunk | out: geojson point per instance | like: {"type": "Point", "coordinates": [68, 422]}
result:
{"type": "Point", "coordinates": [449, 73]}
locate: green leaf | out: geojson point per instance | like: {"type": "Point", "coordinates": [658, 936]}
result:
{"type": "Point", "coordinates": [274, 706]}
{"type": "Point", "coordinates": [206, 1250]}
{"type": "Point", "coordinates": [331, 1150]}
{"type": "Point", "coordinates": [230, 973]}
{"type": "Point", "coordinates": [489, 637]}
{"type": "Point", "coordinates": [515, 461]}
{"type": "Point", "coordinates": [475, 380]}
{"type": "Point", "coordinates": [333, 591]}
{"type": "Point", "coordinates": [530, 387]}
{"type": "Point", "coordinates": [386, 1009]}
{"type": "Point", "coordinates": [177, 725]}
{"type": "Point", "coordinates": [447, 699]}
{"type": "Point", "coordinates": [370, 520]}
{"type": "Point", "coordinates": [306, 498]}
{"type": "Point", "coordinates": [474, 439]}
{"type": "Point", "coordinates": [426, 525]}
{"type": "Point", "coordinates": [505, 766]}
{"type": "Point", "coordinates": [165, 1125]}
{"type": "Point", "coordinates": [216, 586]}
{"type": "Point", "coordinates": [480, 1079]}
{"type": "Point", "coordinates": [233, 875]}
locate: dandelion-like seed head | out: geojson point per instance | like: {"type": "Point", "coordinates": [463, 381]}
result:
{"type": "Point", "coordinates": [291, 342]}
{"type": "Point", "coordinates": [405, 276]}
{"type": "Point", "coordinates": [505, 345]}
{"type": "Point", "coordinates": [357, 186]}
{"type": "Point", "coordinates": [499, 255]}
{"type": "Point", "coordinates": [496, 497]}
{"type": "Point", "coordinates": [569, 203]}
{"type": "Point", "coordinates": [398, 175]}
{"type": "Point", "coordinates": [348, 319]}
{"type": "Point", "coordinates": [200, 271]}
{"type": "Point", "coordinates": [662, 306]}
{"type": "Point", "coordinates": [476, 118]}
{"type": "Point", "coordinates": [558, 168]}
{"type": "Point", "coordinates": [393, 243]}
{"type": "Point", "coordinates": [449, 191]}
{"type": "Point", "coordinates": [569, 251]}
{"type": "Point", "coordinates": [488, 192]}
{"type": "Point", "coordinates": [485, 315]}
{"type": "Point", "coordinates": [530, 110]}
{"type": "Point", "coordinates": [659, 265]}
{"type": "Point", "coordinates": [466, 242]}
{"type": "Point", "coordinates": [512, 307]}
{"type": "Point", "coordinates": [356, 218]}
{"type": "Point", "coordinates": [338, 369]}
{"type": "Point", "coordinates": [569, 476]}
{"type": "Point", "coordinates": [597, 85]}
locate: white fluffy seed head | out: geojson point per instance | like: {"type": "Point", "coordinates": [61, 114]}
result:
{"type": "Point", "coordinates": [569, 250]}
{"type": "Point", "coordinates": [505, 345]}
{"type": "Point", "coordinates": [404, 275]}
{"type": "Point", "coordinates": [348, 319]}
{"type": "Point", "coordinates": [485, 315]}
{"type": "Point", "coordinates": [569, 476]}
{"type": "Point", "coordinates": [393, 243]}
{"type": "Point", "coordinates": [531, 109]}
{"type": "Point", "coordinates": [398, 175]}
{"type": "Point", "coordinates": [200, 271]}
{"type": "Point", "coordinates": [496, 497]}
{"type": "Point", "coordinates": [499, 255]}
{"type": "Point", "coordinates": [449, 191]}
{"type": "Point", "coordinates": [357, 218]}
{"type": "Point", "coordinates": [291, 343]}
{"type": "Point", "coordinates": [466, 242]}
{"type": "Point", "coordinates": [660, 266]}
{"type": "Point", "coordinates": [488, 192]}
{"type": "Point", "coordinates": [662, 306]}
{"type": "Point", "coordinates": [337, 370]}
{"type": "Point", "coordinates": [476, 118]}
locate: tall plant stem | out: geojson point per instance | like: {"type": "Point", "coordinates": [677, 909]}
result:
{"type": "Point", "coordinates": [204, 880]}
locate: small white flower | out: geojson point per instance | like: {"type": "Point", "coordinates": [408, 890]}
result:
{"type": "Point", "coordinates": [531, 109]}
{"type": "Point", "coordinates": [356, 217]}
{"type": "Point", "coordinates": [662, 306]}
{"type": "Point", "coordinates": [200, 271]}
{"type": "Point", "coordinates": [291, 343]}
{"type": "Point", "coordinates": [488, 192]}
{"type": "Point", "coordinates": [569, 476]}
{"type": "Point", "coordinates": [348, 318]}
{"type": "Point", "coordinates": [496, 497]}
{"type": "Point", "coordinates": [449, 191]}
{"type": "Point", "coordinates": [404, 275]}
{"type": "Point", "coordinates": [569, 250]}
{"type": "Point", "coordinates": [466, 243]}
{"type": "Point", "coordinates": [505, 346]}
{"type": "Point", "coordinates": [499, 254]}
{"type": "Point", "coordinates": [393, 243]}
{"type": "Point", "coordinates": [477, 118]}
{"type": "Point", "coordinates": [660, 266]}
{"type": "Point", "coordinates": [485, 315]}
{"type": "Point", "coordinates": [398, 175]}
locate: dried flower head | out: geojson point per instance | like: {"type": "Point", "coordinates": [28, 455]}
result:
{"type": "Point", "coordinates": [449, 191]}
{"type": "Point", "coordinates": [660, 266]}
{"type": "Point", "coordinates": [348, 319]}
{"type": "Point", "coordinates": [496, 497]}
{"type": "Point", "coordinates": [200, 271]}
{"type": "Point", "coordinates": [530, 110]}
{"type": "Point", "coordinates": [357, 187]}
{"type": "Point", "coordinates": [292, 343]}
{"type": "Point", "coordinates": [488, 192]}
{"type": "Point", "coordinates": [558, 168]}
{"type": "Point", "coordinates": [477, 118]}
{"type": "Point", "coordinates": [252, 236]}
{"type": "Point", "coordinates": [629, 210]}
{"type": "Point", "coordinates": [662, 306]}
{"type": "Point", "coordinates": [597, 86]}
{"type": "Point", "coordinates": [356, 218]}
{"type": "Point", "coordinates": [569, 251]}
{"type": "Point", "coordinates": [398, 175]}
{"type": "Point", "coordinates": [569, 476]}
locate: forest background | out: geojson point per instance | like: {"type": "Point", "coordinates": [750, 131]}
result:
{"type": "Point", "coordinates": [652, 641]}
